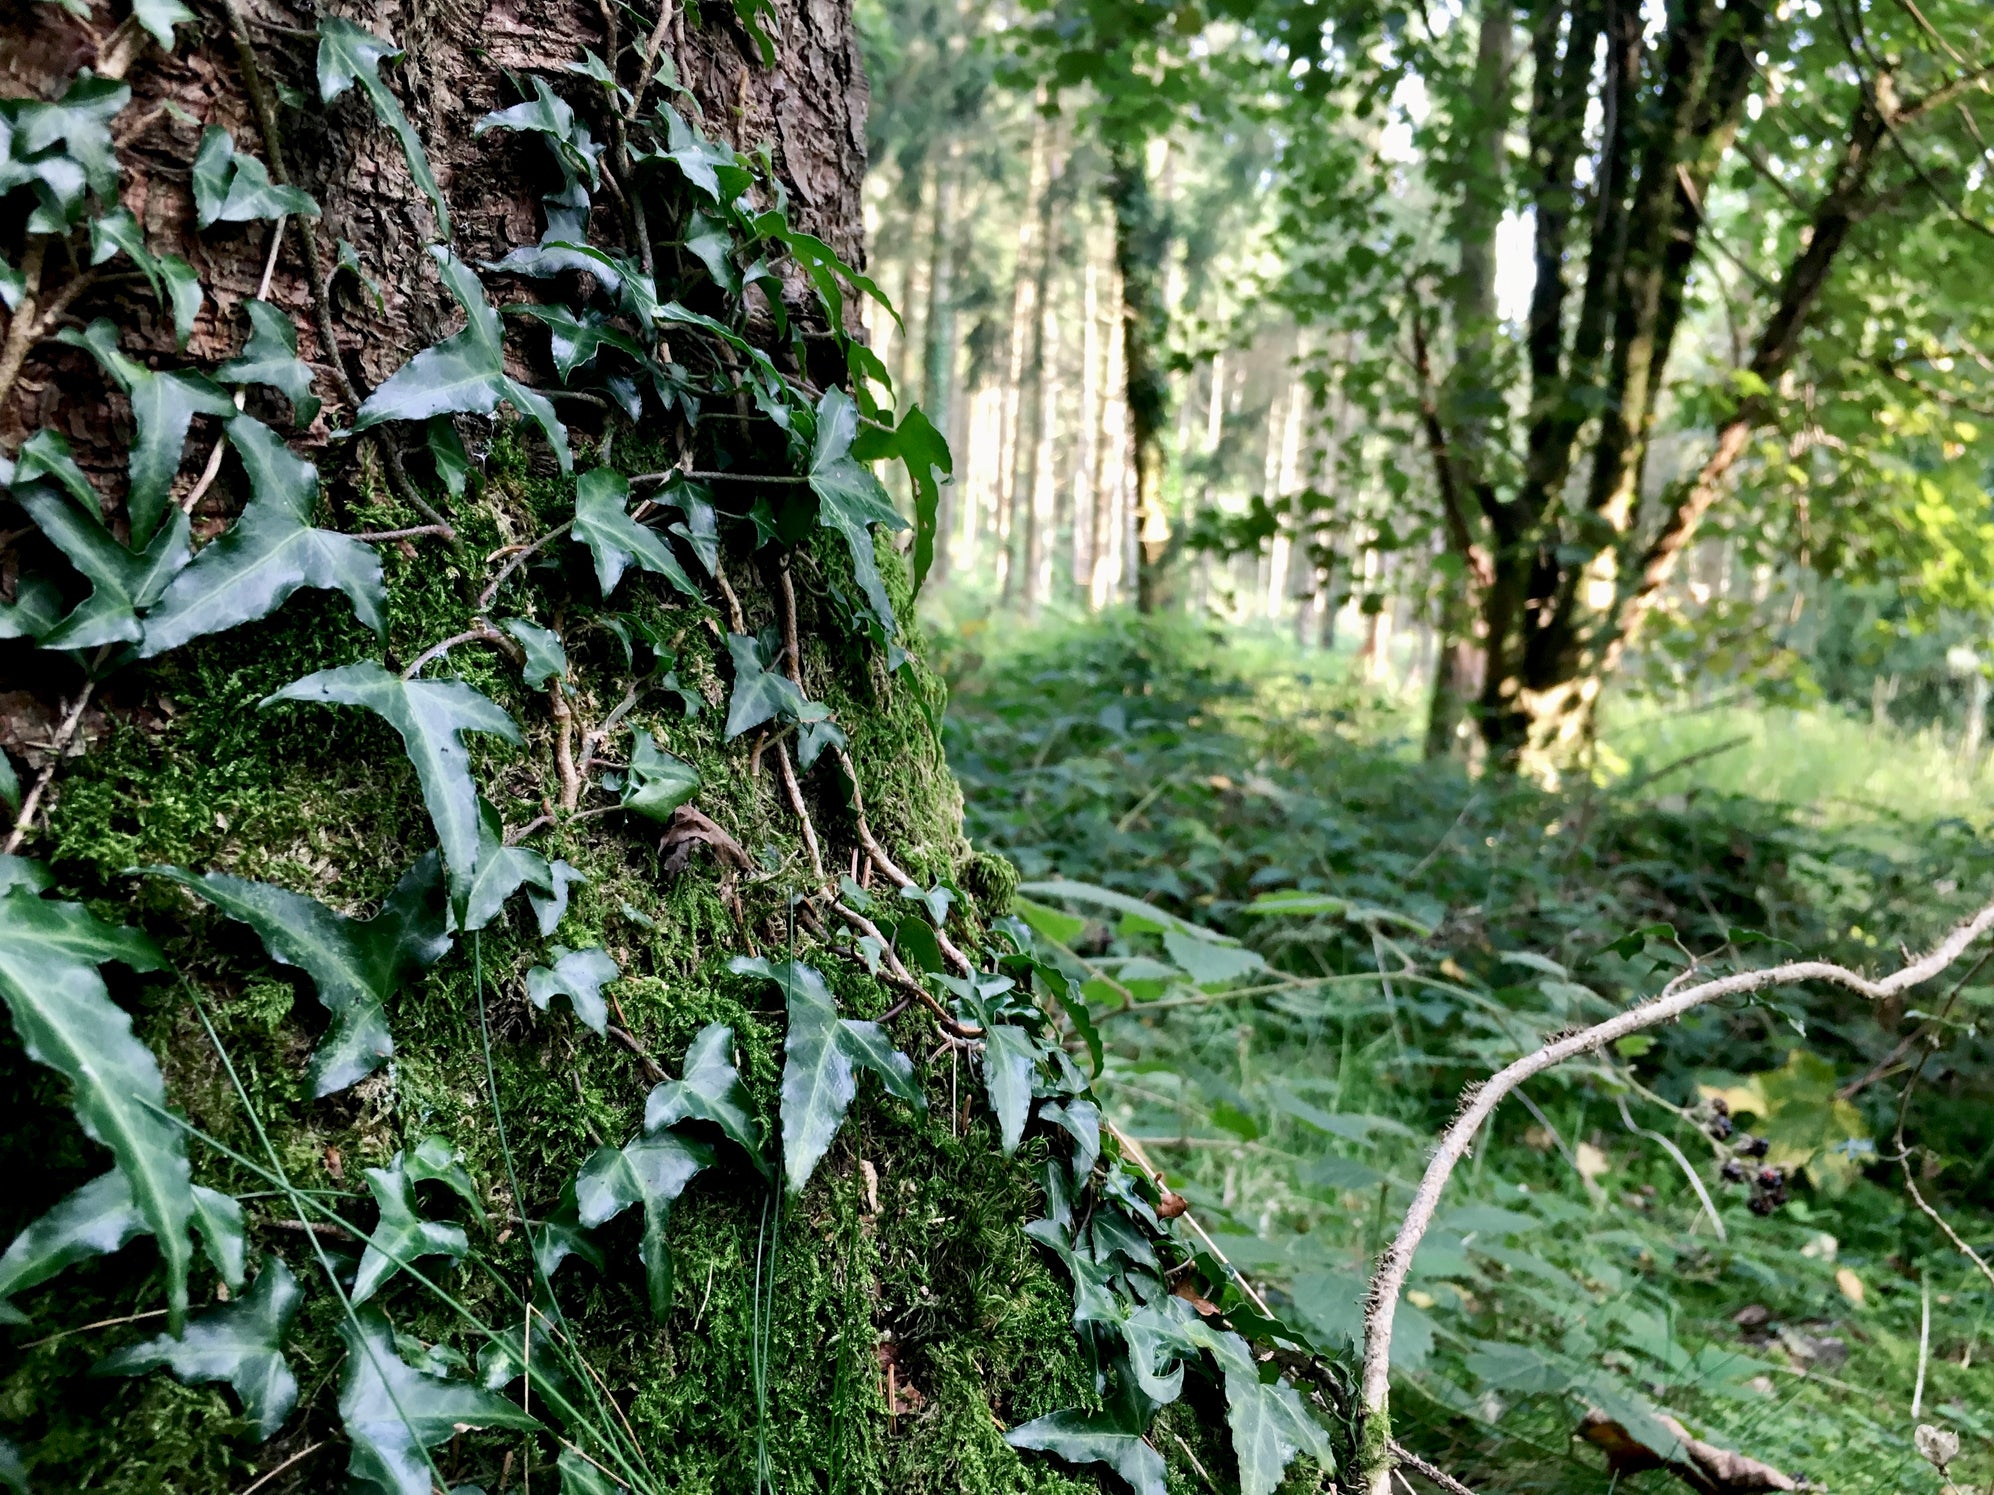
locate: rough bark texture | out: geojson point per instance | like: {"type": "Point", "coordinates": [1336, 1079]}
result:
{"type": "Point", "coordinates": [907, 1248]}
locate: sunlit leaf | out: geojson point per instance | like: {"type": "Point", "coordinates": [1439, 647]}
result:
{"type": "Point", "coordinates": [432, 717]}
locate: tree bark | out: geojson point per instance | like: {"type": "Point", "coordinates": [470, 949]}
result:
{"type": "Point", "coordinates": [1142, 239]}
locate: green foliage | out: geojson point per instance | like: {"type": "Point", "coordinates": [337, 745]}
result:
{"type": "Point", "coordinates": [603, 523]}
{"type": "Point", "coordinates": [651, 1170]}
{"type": "Point", "coordinates": [711, 1092]}
{"type": "Point", "coordinates": [349, 55]}
{"type": "Point", "coordinates": [395, 1414]}
{"type": "Point", "coordinates": [241, 1343]}
{"type": "Point", "coordinates": [578, 975]}
{"type": "Point", "coordinates": [271, 357]}
{"type": "Point", "coordinates": [432, 717]}
{"type": "Point", "coordinates": [234, 188]}
{"type": "Point", "coordinates": [401, 1235]}
{"type": "Point", "coordinates": [658, 783]}
{"type": "Point", "coordinates": [355, 964]}
{"type": "Point", "coordinates": [850, 500]}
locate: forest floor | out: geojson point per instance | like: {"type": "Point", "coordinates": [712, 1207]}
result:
{"type": "Point", "coordinates": [1407, 929]}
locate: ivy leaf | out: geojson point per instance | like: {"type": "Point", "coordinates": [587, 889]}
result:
{"type": "Point", "coordinates": [159, 17]}
{"type": "Point", "coordinates": [1269, 1424]}
{"type": "Point", "coordinates": [561, 1235]}
{"type": "Point", "coordinates": [81, 120]}
{"type": "Point", "coordinates": [652, 1171]}
{"type": "Point", "coordinates": [924, 452]}
{"type": "Point", "coordinates": [184, 293]}
{"type": "Point", "coordinates": [1109, 1437]}
{"type": "Point", "coordinates": [121, 583]}
{"type": "Point", "coordinates": [393, 1412]}
{"type": "Point", "coordinates": [578, 975]}
{"type": "Point", "coordinates": [545, 658]}
{"type": "Point", "coordinates": [355, 964]}
{"type": "Point", "coordinates": [349, 55]}
{"type": "Point", "coordinates": [708, 241]}
{"type": "Point", "coordinates": [465, 373]}
{"type": "Point", "coordinates": [1081, 1120]}
{"type": "Point", "coordinates": [267, 554]}
{"type": "Point", "coordinates": [615, 539]}
{"type": "Point", "coordinates": [118, 232]}
{"type": "Point", "coordinates": [164, 405]}
{"type": "Point", "coordinates": [659, 783]}
{"type": "Point", "coordinates": [401, 1235]}
{"type": "Point", "coordinates": [711, 166]}
{"type": "Point", "coordinates": [580, 1477]}
{"type": "Point", "coordinates": [10, 783]}
{"type": "Point", "coordinates": [849, 498]}
{"type": "Point", "coordinates": [501, 871]}
{"type": "Point", "coordinates": [218, 1217]}
{"type": "Point", "coordinates": [576, 340]}
{"type": "Point", "coordinates": [234, 188]}
{"type": "Point", "coordinates": [821, 1049]}
{"type": "Point", "coordinates": [711, 1091]}
{"type": "Point", "coordinates": [95, 1220]}
{"type": "Point", "coordinates": [432, 717]}
{"type": "Point", "coordinates": [760, 693]}
{"type": "Point", "coordinates": [446, 450]}
{"type": "Point", "coordinates": [434, 1160]}
{"type": "Point", "coordinates": [36, 608]}
{"type": "Point", "coordinates": [1010, 1059]}
{"type": "Point", "coordinates": [548, 115]}
{"type": "Point", "coordinates": [550, 902]}
{"type": "Point", "coordinates": [65, 1019]}
{"type": "Point", "coordinates": [239, 1342]}
{"type": "Point", "coordinates": [271, 357]}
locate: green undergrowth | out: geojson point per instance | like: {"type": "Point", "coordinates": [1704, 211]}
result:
{"type": "Point", "coordinates": [1442, 925]}
{"type": "Point", "coordinates": [910, 1234]}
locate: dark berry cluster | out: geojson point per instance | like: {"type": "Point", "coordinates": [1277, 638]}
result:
{"type": "Point", "coordinates": [1768, 1184]}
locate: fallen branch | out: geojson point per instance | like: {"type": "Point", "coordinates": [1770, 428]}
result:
{"type": "Point", "coordinates": [1373, 1425]}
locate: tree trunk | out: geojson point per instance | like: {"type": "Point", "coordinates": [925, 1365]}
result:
{"type": "Point", "coordinates": [765, 1360]}
{"type": "Point", "coordinates": [1142, 239]}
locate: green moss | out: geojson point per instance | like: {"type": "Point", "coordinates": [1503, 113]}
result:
{"type": "Point", "coordinates": [323, 801]}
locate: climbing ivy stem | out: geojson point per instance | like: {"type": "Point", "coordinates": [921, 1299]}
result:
{"type": "Point", "coordinates": [58, 745]}
{"type": "Point", "coordinates": [477, 633]}
{"type": "Point", "coordinates": [519, 558]}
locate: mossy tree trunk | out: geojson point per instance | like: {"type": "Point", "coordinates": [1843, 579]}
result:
{"type": "Point", "coordinates": [905, 1253]}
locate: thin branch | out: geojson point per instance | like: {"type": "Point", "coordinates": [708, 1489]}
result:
{"type": "Point", "coordinates": [32, 801]}
{"type": "Point", "coordinates": [1688, 1168]}
{"type": "Point", "coordinates": [1480, 1102]}
{"type": "Point", "coordinates": [520, 557]}
{"type": "Point", "coordinates": [1944, 1225]}
{"type": "Point", "coordinates": [377, 536]}
{"type": "Point", "coordinates": [1407, 1459]}
{"type": "Point", "coordinates": [480, 633]}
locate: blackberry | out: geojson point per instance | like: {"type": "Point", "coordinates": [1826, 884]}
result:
{"type": "Point", "coordinates": [1734, 1171]}
{"type": "Point", "coordinates": [1753, 1147]}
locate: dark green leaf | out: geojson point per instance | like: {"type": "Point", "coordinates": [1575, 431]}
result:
{"type": "Point", "coordinates": [924, 452]}
{"type": "Point", "coordinates": [760, 693]}
{"type": "Point", "coordinates": [65, 1019]}
{"type": "Point", "coordinates": [267, 554]}
{"type": "Point", "coordinates": [184, 293]}
{"type": "Point", "coordinates": [545, 658]}
{"type": "Point", "coordinates": [1096, 1438]}
{"type": "Point", "coordinates": [393, 1412]}
{"type": "Point", "coordinates": [122, 583]}
{"type": "Point", "coordinates": [233, 188]}
{"type": "Point", "coordinates": [711, 1092]}
{"type": "Point", "coordinates": [239, 1342]}
{"type": "Point", "coordinates": [271, 357]}
{"type": "Point", "coordinates": [501, 871]}
{"type": "Point", "coordinates": [164, 405]}
{"type": "Point", "coordinates": [818, 1082]}
{"type": "Point", "coordinates": [118, 232]}
{"type": "Point", "coordinates": [10, 784]}
{"type": "Point", "coordinates": [547, 114]}
{"type": "Point", "coordinates": [355, 964]}
{"type": "Point", "coordinates": [561, 1235]}
{"type": "Point", "coordinates": [652, 1171]}
{"type": "Point", "coordinates": [1010, 1058]}
{"type": "Point", "coordinates": [658, 783]}
{"type": "Point", "coordinates": [550, 900]}
{"type": "Point", "coordinates": [575, 340]}
{"type": "Point", "coordinates": [465, 373]}
{"type": "Point", "coordinates": [401, 1235]}
{"type": "Point", "coordinates": [348, 55]}
{"type": "Point", "coordinates": [615, 539]}
{"type": "Point", "coordinates": [578, 975]}
{"type": "Point", "coordinates": [95, 1220]}
{"type": "Point", "coordinates": [446, 450]}
{"type": "Point", "coordinates": [431, 716]}
{"type": "Point", "coordinates": [433, 1160]}
{"type": "Point", "coordinates": [1269, 1423]}
{"type": "Point", "coordinates": [580, 1477]}
{"type": "Point", "coordinates": [36, 608]}
{"type": "Point", "coordinates": [849, 498]}
{"type": "Point", "coordinates": [1082, 1120]}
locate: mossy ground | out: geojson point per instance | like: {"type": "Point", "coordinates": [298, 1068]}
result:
{"type": "Point", "coordinates": [192, 772]}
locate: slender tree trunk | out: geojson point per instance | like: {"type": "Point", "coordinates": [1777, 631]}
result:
{"type": "Point", "coordinates": [1142, 239]}
{"type": "Point", "coordinates": [938, 325]}
{"type": "Point", "coordinates": [1024, 328]}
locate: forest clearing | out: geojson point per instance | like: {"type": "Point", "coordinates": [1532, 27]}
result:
{"type": "Point", "coordinates": [1054, 745]}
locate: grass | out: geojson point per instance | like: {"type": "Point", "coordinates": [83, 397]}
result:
{"type": "Point", "coordinates": [1573, 1265]}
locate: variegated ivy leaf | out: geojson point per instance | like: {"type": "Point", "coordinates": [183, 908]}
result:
{"type": "Point", "coordinates": [164, 406]}
{"type": "Point", "coordinates": [578, 975]}
{"type": "Point", "coordinates": [401, 1235]}
{"type": "Point", "coordinates": [603, 523]}
{"type": "Point", "coordinates": [822, 1049]}
{"type": "Point", "coordinates": [65, 1019]}
{"type": "Point", "coordinates": [711, 1091]}
{"type": "Point", "coordinates": [349, 55]}
{"type": "Point", "coordinates": [652, 1171]}
{"type": "Point", "coordinates": [465, 373]}
{"type": "Point", "coordinates": [267, 554]}
{"type": "Point", "coordinates": [355, 964]}
{"type": "Point", "coordinates": [394, 1413]}
{"type": "Point", "coordinates": [432, 717]}
{"type": "Point", "coordinates": [241, 1343]}
{"type": "Point", "coordinates": [850, 499]}
{"type": "Point", "coordinates": [271, 357]}
{"type": "Point", "coordinates": [230, 187]}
